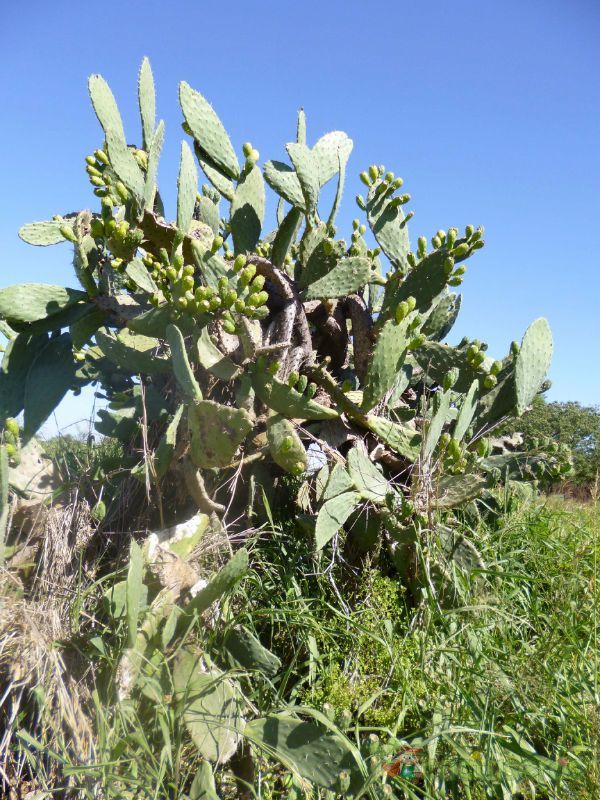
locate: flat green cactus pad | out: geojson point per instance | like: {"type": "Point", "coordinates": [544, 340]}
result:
{"type": "Point", "coordinates": [532, 362]}
{"type": "Point", "coordinates": [216, 432]}
{"type": "Point", "coordinates": [286, 401]}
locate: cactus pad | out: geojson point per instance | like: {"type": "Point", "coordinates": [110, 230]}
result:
{"type": "Point", "coordinates": [216, 432]}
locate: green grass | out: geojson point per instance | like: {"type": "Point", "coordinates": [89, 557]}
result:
{"type": "Point", "coordinates": [496, 690]}
{"type": "Point", "coordinates": [500, 692]}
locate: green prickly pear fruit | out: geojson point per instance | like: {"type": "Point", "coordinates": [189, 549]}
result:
{"type": "Point", "coordinates": [364, 176]}
{"type": "Point", "coordinates": [441, 234]}
{"type": "Point", "coordinates": [214, 304]}
{"type": "Point", "coordinates": [101, 192]}
{"type": "Point", "coordinates": [240, 305]}
{"type": "Point", "coordinates": [478, 245]}
{"type": "Point", "coordinates": [436, 242]}
{"type": "Point", "coordinates": [203, 306]}
{"type": "Point", "coordinates": [360, 201]}
{"type": "Point", "coordinates": [422, 246]}
{"type": "Point", "coordinates": [12, 426]}
{"type": "Point", "coordinates": [389, 177]}
{"type": "Point", "coordinates": [373, 172]}
{"type": "Point", "coordinates": [97, 228]}
{"type": "Point", "coordinates": [398, 183]}
{"type": "Point", "coordinates": [257, 284]}
{"type": "Point", "coordinates": [461, 250]}
{"type": "Point", "coordinates": [412, 303]}
{"type": "Point", "coordinates": [515, 348]}
{"type": "Point", "coordinates": [260, 313]}
{"type": "Point", "coordinates": [223, 283]}
{"type": "Point", "coordinates": [402, 311]}
{"type": "Point", "coordinates": [460, 271]}
{"type": "Point", "coordinates": [287, 443]}
{"type": "Point", "coordinates": [187, 282]}
{"type": "Point", "coordinates": [454, 450]}
{"type": "Point", "coordinates": [412, 259]}
{"type": "Point", "coordinates": [448, 266]}
{"type": "Point", "coordinates": [302, 383]}
{"type": "Point", "coordinates": [96, 181]}
{"type": "Point", "coordinates": [67, 232]}
{"type": "Point", "coordinates": [450, 378]}
{"type": "Point", "coordinates": [445, 439]}
{"type": "Point", "coordinates": [451, 237]}
{"type": "Point", "coordinates": [469, 230]}
{"type": "Point", "coordinates": [293, 379]}
{"type": "Point", "coordinates": [478, 359]}
{"type": "Point", "coordinates": [228, 326]}
{"type": "Point", "coordinates": [122, 191]}
{"type": "Point", "coordinates": [93, 171]}
{"type": "Point", "coordinates": [229, 298]}
{"type": "Point", "coordinates": [311, 390]}
{"type": "Point", "coordinates": [101, 157]}
{"type": "Point", "coordinates": [472, 351]}
{"type": "Point", "coordinates": [490, 381]}
{"type": "Point", "coordinates": [217, 244]}
{"type": "Point", "coordinates": [239, 263]}
{"type": "Point", "coordinates": [496, 368]}
{"type": "Point", "coordinates": [90, 160]}
{"type": "Point", "coordinates": [11, 450]}
{"type": "Point", "coordinates": [417, 342]}
{"type": "Point", "coordinates": [247, 149]}
{"type": "Point", "coordinates": [258, 299]}
{"type": "Point", "coordinates": [247, 275]}
{"type": "Point", "coordinates": [171, 273]}
{"type": "Point", "coordinates": [455, 281]}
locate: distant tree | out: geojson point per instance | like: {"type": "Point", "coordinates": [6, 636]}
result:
{"type": "Point", "coordinates": [567, 423]}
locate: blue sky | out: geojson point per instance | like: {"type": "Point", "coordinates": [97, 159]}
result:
{"type": "Point", "coordinates": [489, 110]}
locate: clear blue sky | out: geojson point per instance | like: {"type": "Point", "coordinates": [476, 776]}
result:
{"type": "Point", "coordinates": [489, 110]}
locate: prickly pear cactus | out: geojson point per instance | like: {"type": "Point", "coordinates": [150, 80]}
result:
{"type": "Point", "coordinates": [222, 344]}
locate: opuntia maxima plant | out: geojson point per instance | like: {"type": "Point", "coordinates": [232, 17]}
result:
{"type": "Point", "coordinates": [232, 355]}
{"type": "Point", "coordinates": [240, 346]}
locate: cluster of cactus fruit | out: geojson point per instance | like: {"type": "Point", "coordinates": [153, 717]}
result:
{"type": "Point", "coordinates": [237, 348]}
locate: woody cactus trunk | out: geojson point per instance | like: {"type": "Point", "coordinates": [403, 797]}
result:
{"type": "Point", "coordinates": [226, 348]}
